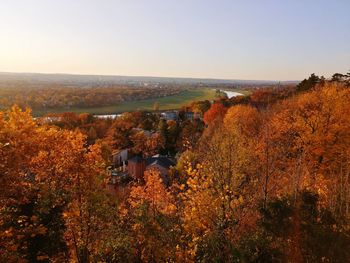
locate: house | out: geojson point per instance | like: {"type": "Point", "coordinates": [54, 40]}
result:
{"type": "Point", "coordinates": [162, 164]}
{"type": "Point", "coordinates": [121, 176]}
{"type": "Point", "coordinates": [120, 157]}
{"type": "Point", "coordinates": [138, 165]}
{"type": "Point", "coordinates": [189, 115]}
{"type": "Point", "coordinates": [50, 119]}
{"type": "Point", "coordinates": [169, 115]}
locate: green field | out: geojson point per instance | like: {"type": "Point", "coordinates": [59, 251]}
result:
{"type": "Point", "coordinates": [166, 103]}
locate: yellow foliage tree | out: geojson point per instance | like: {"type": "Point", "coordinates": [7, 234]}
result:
{"type": "Point", "coordinates": [153, 214]}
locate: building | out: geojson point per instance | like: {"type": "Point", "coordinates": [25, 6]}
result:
{"type": "Point", "coordinates": [121, 176]}
{"type": "Point", "coordinates": [136, 167]}
{"type": "Point", "coordinates": [162, 164]}
{"type": "Point", "coordinates": [189, 115]}
{"type": "Point", "coordinates": [120, 158]}
{"type": "Point", "coordinates": [170, 115]}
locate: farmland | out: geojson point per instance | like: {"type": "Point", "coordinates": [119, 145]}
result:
{"type": "Point", "coordinates": [165, 103]}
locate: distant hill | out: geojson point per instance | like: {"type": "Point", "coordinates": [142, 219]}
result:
{"type": "Point", "coordinates": [107, 80]}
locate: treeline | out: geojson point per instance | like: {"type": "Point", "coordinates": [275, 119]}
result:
{"type": "Point", "coordinates": [261, 97]}
{"type": "Point", "coordinates": [61, 97]}
{"type": "Point", "coordinates": [266, 181]}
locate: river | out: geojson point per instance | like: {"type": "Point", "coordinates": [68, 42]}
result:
{"type": "Point", "coordinates": [107, 116]}
{"type": "Point", "coordinates": [231, 94]}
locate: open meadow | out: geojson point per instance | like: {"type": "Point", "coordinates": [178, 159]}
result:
{"type": "Point", "coordinates": [165, 103]}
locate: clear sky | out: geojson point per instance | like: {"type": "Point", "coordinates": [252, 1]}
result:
{"type": "Point", "coordinates": [234, 39]}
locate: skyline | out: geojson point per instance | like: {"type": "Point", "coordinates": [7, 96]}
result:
{"type": "Point", "coordinates": [190, 39]}
{"type": "Point", "coordinates": [68, 75]}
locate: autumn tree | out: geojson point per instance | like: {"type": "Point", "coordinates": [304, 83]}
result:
{"type": "Point", "coordinates": [216, 111]}
{"type": "Point", "coordinates": [217, 196]}
{"type": "Point", "coordinates": [200, 107]}
{"type": "Point", "coordinates": [50, 179]}
{"type": "Point", "coordinates": [154, 215]}
{"type": "Point", "coordinates": [147, 144]}
{"type": "Point", "coordinates": [190, 133]}
{"type": "Point", "coordinates": [120, 132]}
{"type": "Point", "coordinates": [32, 226]}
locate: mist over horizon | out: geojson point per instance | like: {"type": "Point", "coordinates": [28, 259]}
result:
{"type": "Point", "coordinates": [125, 78]}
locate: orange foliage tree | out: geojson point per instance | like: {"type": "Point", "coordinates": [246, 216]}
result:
{"type": "Point", "coordinates": [50, 179]}
{"type": "Point", "coordinates": [153, 213]}
{"type": "Point", "coordinates": [216, 111]}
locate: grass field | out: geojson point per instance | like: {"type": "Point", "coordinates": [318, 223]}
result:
{"type": "Point", "coordinates": [165, 103]}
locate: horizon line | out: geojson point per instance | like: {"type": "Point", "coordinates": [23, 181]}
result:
{"type": "Point", "coordinates": [142, 76]}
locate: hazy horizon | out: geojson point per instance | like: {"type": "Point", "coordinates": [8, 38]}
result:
{"type": "Point", "coordinates": [141, 76]}
{"type": "Point", "coordinates": [251, 40]}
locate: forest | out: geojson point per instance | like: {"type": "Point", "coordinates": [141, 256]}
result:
{"type": "Point", "coordinates": [62, 97]}
{"type": "Point", "coordinates": [258, 178]}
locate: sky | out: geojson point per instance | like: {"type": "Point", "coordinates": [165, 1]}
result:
{"type": "Point", "coordinates": [229, 39]}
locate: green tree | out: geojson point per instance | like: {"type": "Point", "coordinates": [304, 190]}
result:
{"type": "Point", "coordinates": [308, 84]}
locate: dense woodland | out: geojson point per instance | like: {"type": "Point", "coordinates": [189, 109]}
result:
{"type": "Point", "coordinates": [63, 97]}
{"type": "Point", "coordinates": [261, 178]}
